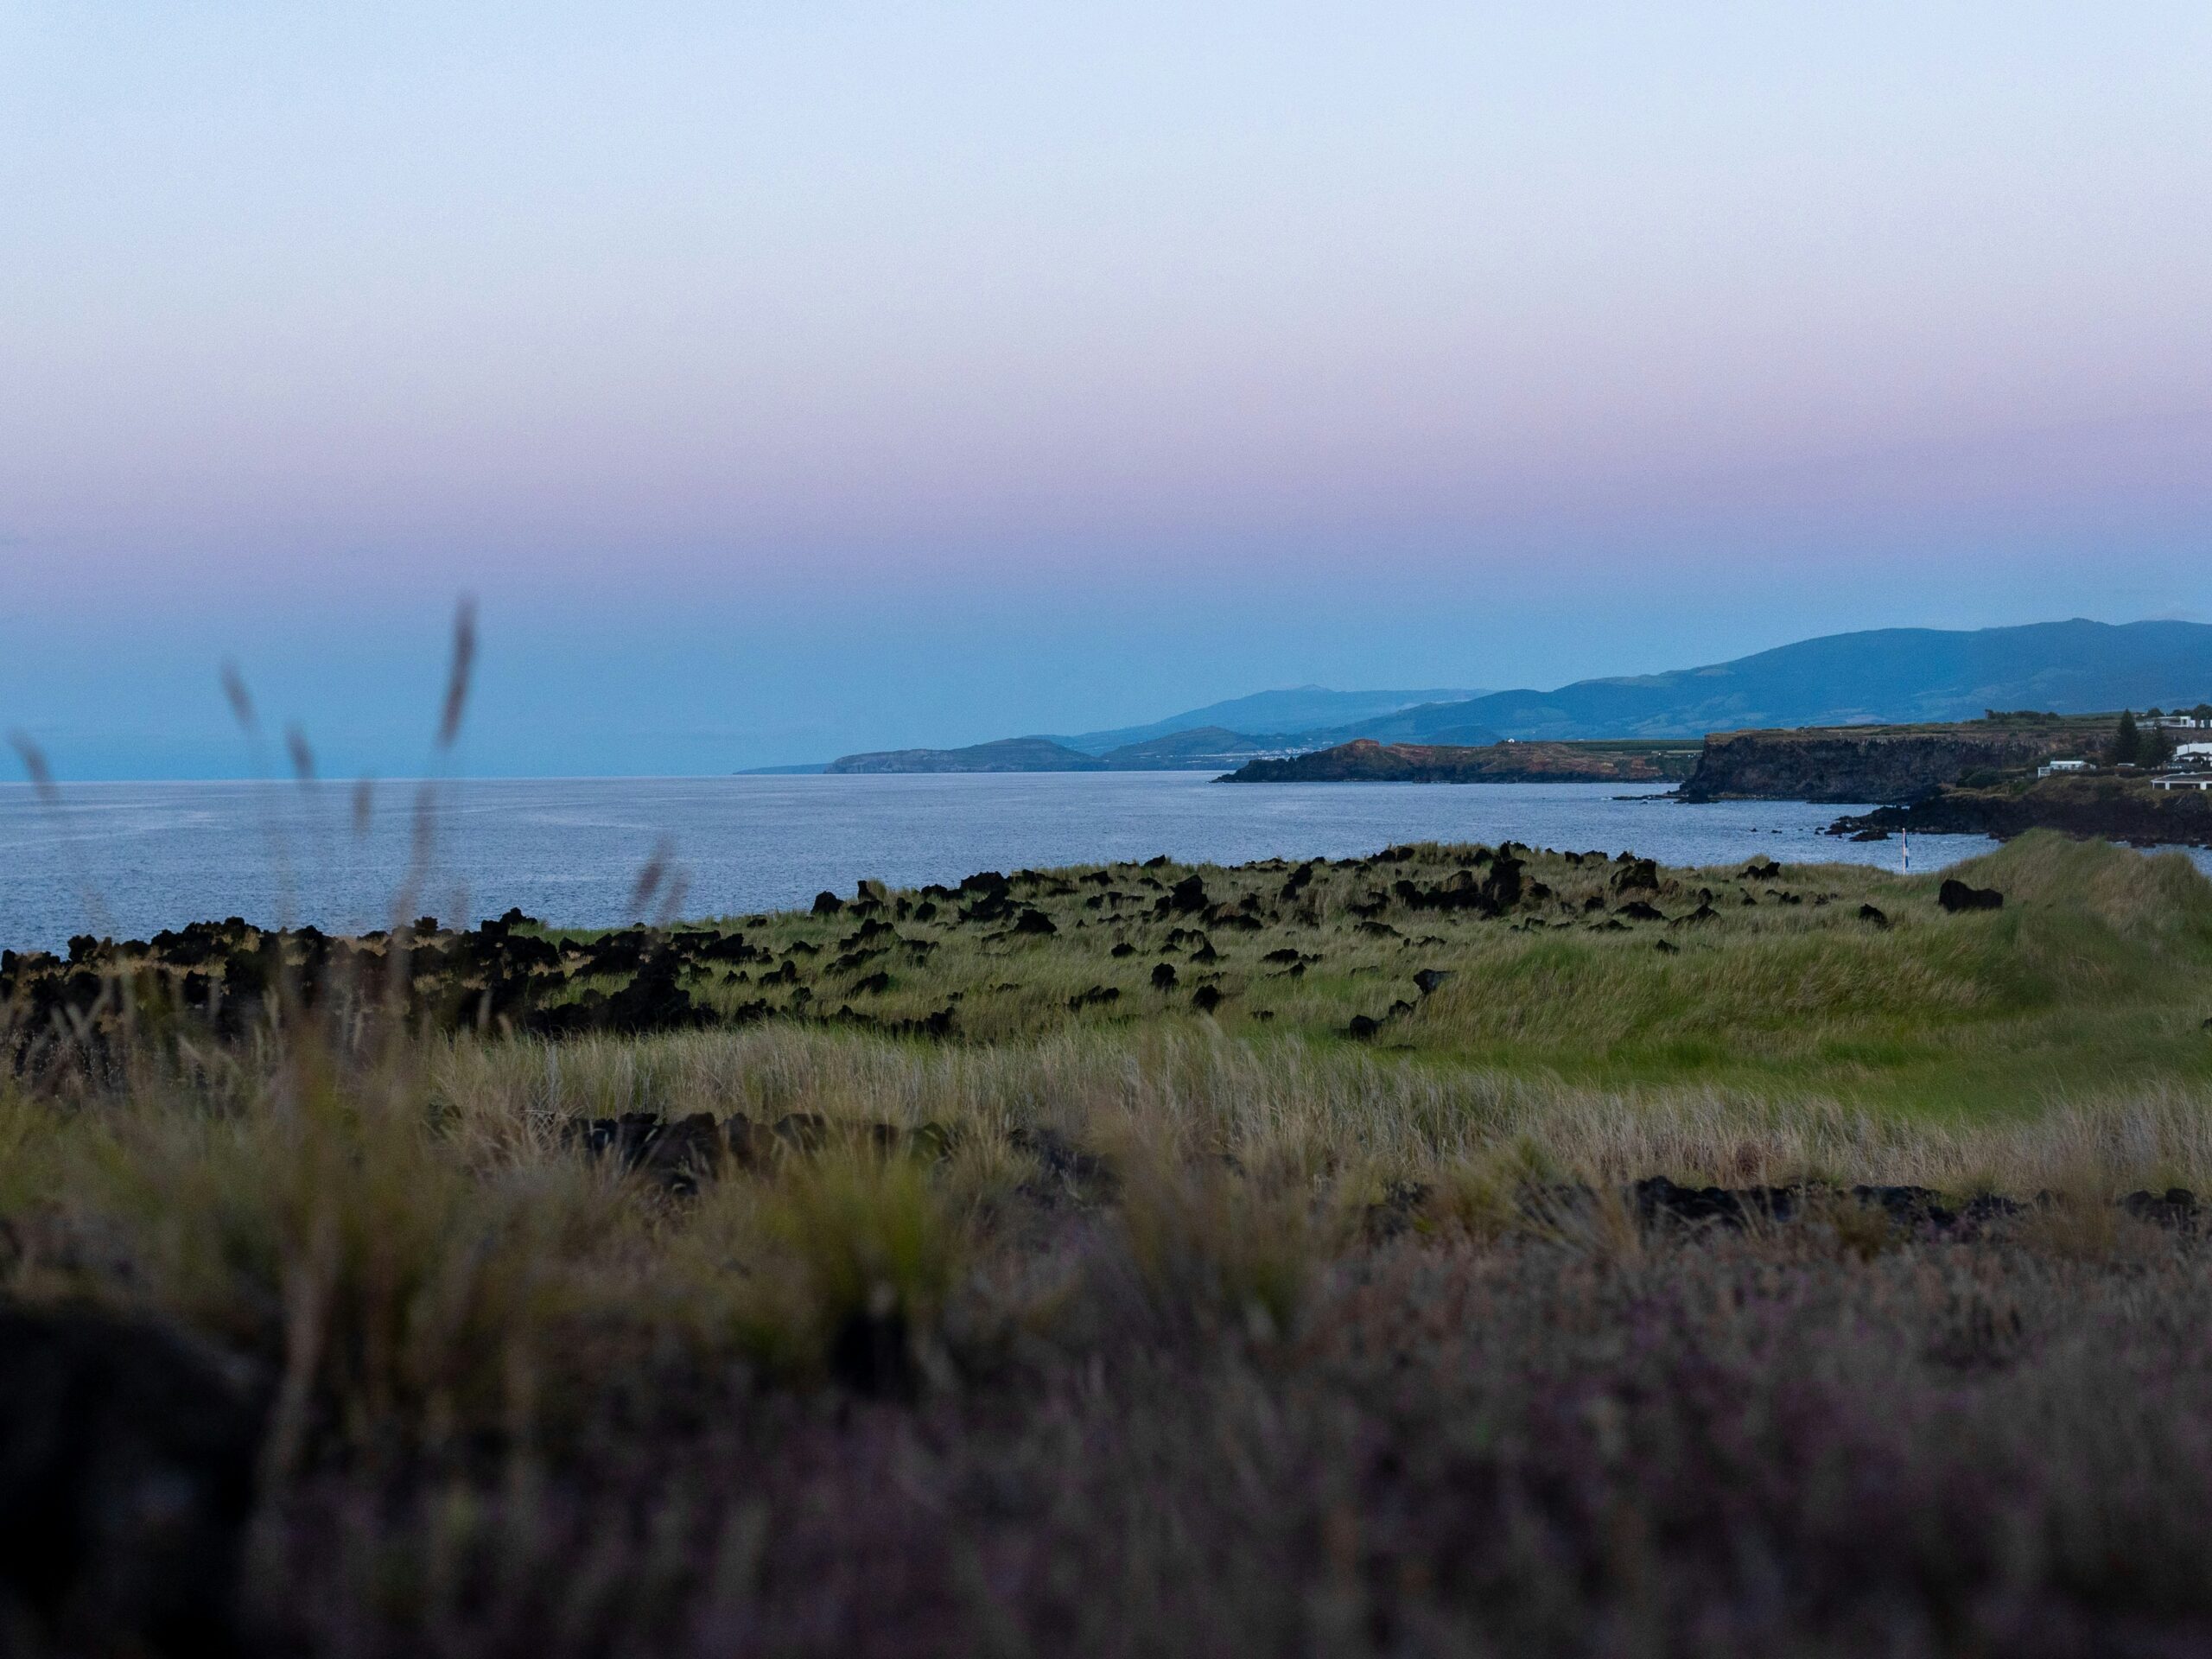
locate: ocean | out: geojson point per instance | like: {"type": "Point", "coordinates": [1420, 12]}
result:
{"type": "Point", "coordinates": [127, 860]}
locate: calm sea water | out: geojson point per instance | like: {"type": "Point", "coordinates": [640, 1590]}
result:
{"type": "Point", "coordinates": [129, 859]}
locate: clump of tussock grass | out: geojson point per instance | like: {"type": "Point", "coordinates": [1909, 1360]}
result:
{"type": "Point", "coordinates": [2159, 895]}
{"type": "Point", "coordinates": [389, 1286]}
{"type": "Point", "coordinates": [878, 1250]}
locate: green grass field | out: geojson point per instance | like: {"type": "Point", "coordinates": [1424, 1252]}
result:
{"type": "Point", "coordinates": [1115, 1324]}
{"type": "Point", "coordinates": [2095, 976]}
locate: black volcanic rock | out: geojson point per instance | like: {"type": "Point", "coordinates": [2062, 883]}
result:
{"type": "Point", "coordinates": [1956, 895]}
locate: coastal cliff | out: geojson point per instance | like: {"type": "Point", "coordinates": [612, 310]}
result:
{"type": "Point", "coordinates": [1365, 762]}
{"type": "Point", "coordinates": [1877, 763]}
{"type": "Point", "coordinates": [2106, 807]}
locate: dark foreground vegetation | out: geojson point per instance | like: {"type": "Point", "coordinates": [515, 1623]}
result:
{"type": "Point", "coordinates": [1462, 1250]}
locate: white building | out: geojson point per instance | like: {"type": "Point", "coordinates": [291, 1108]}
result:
{"type": "Point", "coordinates": [2193, 752]}
{"type": "Point", "coordinates": [2050, 767]}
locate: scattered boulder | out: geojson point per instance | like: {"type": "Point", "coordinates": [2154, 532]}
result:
{"type": "Point", "coordinates": [1659, 1199]}
{"type": "Point", "coordinates": [745, 1142]}
{"type": "Point", "coordinates": [1907, 1205]}
{"type": "Point", "coordinates": [1635, 874]}
{"type": "Point", "coordinates": [652, 1001]}
{"type": "Point", "coordinates": [1188, 896]}
{"type": "Point", "coordinates": [2175, 1207]}
{"type": "Point", "coordinates": [1869, 913]}
{"type": "Point", "coordinates": [1955, 896]}
{"type": "Point", "coordinates": [803, 1131]}
{"type": "Point", "coordinates": [674, 1157]}
{"type": "Point", "coordinates": [685, 1153]}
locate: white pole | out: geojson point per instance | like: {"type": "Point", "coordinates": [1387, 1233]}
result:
{"type": "Point", "coordinates": [1907, 834]}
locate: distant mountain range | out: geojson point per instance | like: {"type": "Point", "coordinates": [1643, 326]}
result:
{"type": "Point", "coordinates": [1302, 708]}
{"type": "Point", "coordinates": [1882, 677]}
{"type": "Point", "coordinates": [1193, 749]}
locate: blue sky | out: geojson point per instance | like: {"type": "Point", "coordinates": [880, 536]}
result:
{"type": "Point", "coordinates": [786, 381]}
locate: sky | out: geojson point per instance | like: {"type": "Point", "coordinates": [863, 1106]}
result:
{"type": "Point", "coordinates": [787, 380]}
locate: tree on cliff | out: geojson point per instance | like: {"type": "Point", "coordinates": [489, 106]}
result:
{"type": "Point", "coordinates": [2127, 742]}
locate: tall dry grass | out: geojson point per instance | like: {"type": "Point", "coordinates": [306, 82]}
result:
{"type": "Point", "coordinates": [1179, 1334]}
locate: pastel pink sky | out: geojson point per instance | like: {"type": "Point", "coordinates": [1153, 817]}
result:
{"type": "Point", "coordinates": [1229, 345]}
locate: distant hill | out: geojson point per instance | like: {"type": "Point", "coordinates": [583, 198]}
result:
{"type": "Point", "coordinates": [1889, 676]}
{"type": "Point", "coordinates": [1007, 754]}
{"type": "Point", "coordinates": [1199, 748]}
{"type": "Point", "coordinates": [1206, 748]}
{"type": "Point", "coordinates": [1885, 676]}
{"type": "Point", "coordinates": [1300, 709]}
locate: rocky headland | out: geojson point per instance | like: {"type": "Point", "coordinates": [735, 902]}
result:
{"type": "Point", "coordinates": [1365, 762]}
{"type": "Point", "coordinates": [1878, 763]}
{"type": "Point", "coordinates": [2107, 806]}
{"type": "Point", "coordinates": [1006, 755]}
{"type": "Point", "coordinates": [1199, 749]}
